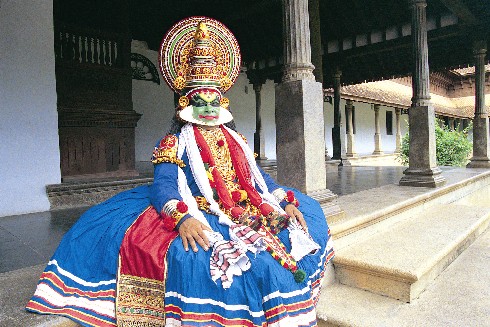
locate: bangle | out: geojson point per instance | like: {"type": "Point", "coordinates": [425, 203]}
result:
{"type": "Point", "coordinates": [174, 212]}
{"type": "Point", "coordinates": [289, 198]}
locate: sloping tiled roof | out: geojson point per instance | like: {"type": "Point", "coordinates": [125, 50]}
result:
{"type": "Point", "coordinates": [393, 94]}
{"type": "Point", "coordinates": [469, 70]}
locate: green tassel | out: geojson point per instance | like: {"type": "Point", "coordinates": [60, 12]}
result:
{"type": "Point", "coordinates": [299, 276]}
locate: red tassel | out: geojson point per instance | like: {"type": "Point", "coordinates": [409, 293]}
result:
{"type": "Point", "coordinates": [182, 207]}
{"type": "Point", "coordinates": [290, 196]}
{"type": "Point", "coordinates": [236, 196]}
{"type": "Point", "coordinates": [265, 209]}
{"type": "Point", "coordinates": [236, 212]}
{"type": "Point", "coordinates": [168, 222]}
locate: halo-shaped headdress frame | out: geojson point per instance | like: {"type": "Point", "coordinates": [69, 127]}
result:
{"type": "Point", "coordinates": [178, 41]}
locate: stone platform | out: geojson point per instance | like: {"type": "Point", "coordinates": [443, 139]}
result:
{"type": "Point", "coordinates": [460, 296]}
{"type": "Point", "coordinates": [396, 242]}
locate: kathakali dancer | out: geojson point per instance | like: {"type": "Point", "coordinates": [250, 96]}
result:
{"type": "Point", "coordinates": [214, 241]}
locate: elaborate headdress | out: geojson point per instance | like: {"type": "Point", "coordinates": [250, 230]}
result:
{"type": "Point", "coordinates": [200, 54]}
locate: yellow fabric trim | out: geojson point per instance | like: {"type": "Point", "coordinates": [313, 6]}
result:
{"type": "Point", "coordinates": [167, 151]}
{"type": "Point", "coordinates": [161, 159]}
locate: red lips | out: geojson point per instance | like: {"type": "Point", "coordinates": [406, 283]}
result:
{"type": "Point", "coordinates": [208, 117]}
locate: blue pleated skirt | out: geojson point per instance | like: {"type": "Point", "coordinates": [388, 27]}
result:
{"type": "Point", "coordinates": [80, 280]}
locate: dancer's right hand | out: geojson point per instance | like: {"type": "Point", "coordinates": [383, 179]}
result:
{"type": "Point", "coordinates": [192, 231]}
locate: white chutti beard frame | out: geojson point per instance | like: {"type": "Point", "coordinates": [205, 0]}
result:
{"type": "Point", "coordinates": [224, 117]}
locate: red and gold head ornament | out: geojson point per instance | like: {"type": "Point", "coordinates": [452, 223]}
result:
{"type": "Point", "coordinates": [199, 54]}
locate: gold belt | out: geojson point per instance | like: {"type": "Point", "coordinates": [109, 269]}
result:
{"type": "Point", "coordinates": [202, 203]}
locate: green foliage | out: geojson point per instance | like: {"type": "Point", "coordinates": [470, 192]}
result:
{"type": "Point", "coordinates": [403, 155]}
{"type": "Point", "coordinates": [452, 147]}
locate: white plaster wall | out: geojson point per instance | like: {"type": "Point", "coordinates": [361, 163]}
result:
{"type": "Point", "coordinates": [242, 104]}
{"type": "Point", "coordinates": [29, 150]}
{"type": "Point", "coordinates": [364, 120]}
{"type": "Point", "coordinates": [155, 103]}
{"type": "Point", "coordinates": [388, 142]}
{"type": "Point", "coordinates": [269, 119]}
{"type": "Point", "coordinates": [364, 136]}
{"type": "Point", "coordinates": [328, 118]}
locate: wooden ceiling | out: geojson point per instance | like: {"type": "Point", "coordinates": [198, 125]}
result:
{"type": "Point", "coordinates": [453, 24]}
{"type": "Point", "coordinates": [257, 25]}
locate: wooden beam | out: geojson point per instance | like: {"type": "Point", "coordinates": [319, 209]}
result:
{"type": "Point", "coordinates": [463, 13]}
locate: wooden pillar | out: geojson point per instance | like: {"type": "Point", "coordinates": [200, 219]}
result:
{"type": "Point", "coordinates": [351, 144]}
{"type": "Point", "coordinates": [422, 170]}
{"type": "Point", "coordinates": [259, 140]}
{"type": "Point", "coordinates": [299, 107]}
{"type": "Point", "coordinates": [337, 145]}
{"type": "Point", "coordinates": [316, 39]}
{"type": "Point", "coordinates": [398, 140]}
{"type": "Point", "coordinates": [480, 157]}
{"type": "Point", "coordinates": [377, 132]}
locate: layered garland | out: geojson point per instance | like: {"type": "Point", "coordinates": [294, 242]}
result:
{"type": "Point", "coordinates": [267, 221]}
{"type": "Point", "coordinates": [247, 173]}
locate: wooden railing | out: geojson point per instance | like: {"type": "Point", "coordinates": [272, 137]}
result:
{"type": "Point", "coordinates": [88, 46]}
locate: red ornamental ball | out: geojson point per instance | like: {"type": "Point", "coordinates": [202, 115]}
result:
{"type": "Point", "coordinates": [169, 223]}
{"type": "Point", "coordinates": [220, 142]}
{"type": "Point", "coordinates": [236, 212]}
{"type": "Point", "coordinates": [236, 196]}
{"type": "Point", "coordinates": [265, 209]}
{"type": "Point", "coordinates": [182, 207]}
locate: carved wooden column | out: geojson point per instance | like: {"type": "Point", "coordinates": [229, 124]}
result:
{"type": "Point", "coordinates": [377, 132]}
{"type": "Point", "coordinates": [481, 152]}
{"type": "Point", "coordinates": [422, 170]}
{"type": "Point", "coordinates": [351, 144]}
{"type": "Point", "coordinates": [336, 135]}
{"type": "Point", "coordinates": [451, 123]}
{"type": "Point", "coordinates": [316, 39]}
{"type": "Point", "coordinates": [299, 107]}
{"type": "Point", "coordinates": [398, 140]}
{"type": "Point", "coordinates": [257, 79]}
{"type": "Point", "coordinates": [259, 139]}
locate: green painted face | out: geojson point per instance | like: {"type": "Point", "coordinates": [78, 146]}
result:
{"type": "Point", "coordinates": [206, 107]}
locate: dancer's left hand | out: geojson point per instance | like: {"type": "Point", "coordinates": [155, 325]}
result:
{"type": "Point", "coordinates": [293, 212]}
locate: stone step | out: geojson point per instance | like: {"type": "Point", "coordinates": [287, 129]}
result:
{"type": "Point", "coordinates": [458, 297]}
{"type": "Point", "coordinates": [402, 260]}
{"type": "Point", "coordinates": [371, 211]}
{"type": "Point", "coordinates": [330, 208]}
{"type": "Point", "coordinates": [71, 195]}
